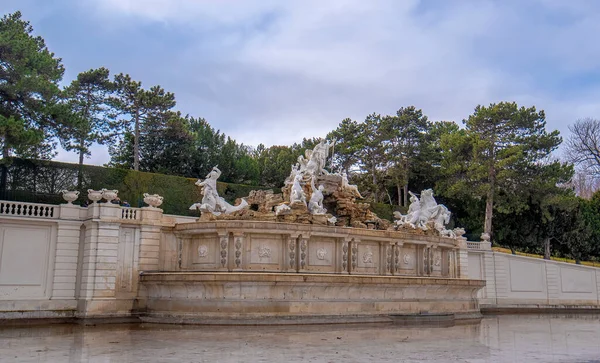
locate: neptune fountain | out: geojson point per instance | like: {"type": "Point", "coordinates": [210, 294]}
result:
{"type": "Point", "coordinates": [314, 253]}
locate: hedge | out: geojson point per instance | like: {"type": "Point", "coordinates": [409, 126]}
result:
{"type": "Point", "coordinates": [40, 181]}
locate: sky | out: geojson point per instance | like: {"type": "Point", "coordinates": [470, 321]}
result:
{"type": "Point", "coordinates": [275, 71]}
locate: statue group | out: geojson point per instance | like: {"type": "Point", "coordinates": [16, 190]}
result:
{"type": "Point", "coordinates": [424, 213]}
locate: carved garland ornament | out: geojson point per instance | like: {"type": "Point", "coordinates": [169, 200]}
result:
{"type": "Point", "coordinates": [238, 252]}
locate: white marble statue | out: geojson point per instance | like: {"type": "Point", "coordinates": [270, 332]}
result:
{"type": "Point", "coordinates": [315, 205]}
{"type": "Point", "coordinates": [425, 211]}
{"type": "Point", "coordinates": [211, 201]}
{"type": "Point", "coordinates": [318, 157]}
{"type": "Point", "coordinates": [297, 194]}
{"type": "Point", "coordinates": [349, 187]}
{"type": "Point", "coordinates": [412, 216]}
{"type": "Point", "coordinates": [293, 173]}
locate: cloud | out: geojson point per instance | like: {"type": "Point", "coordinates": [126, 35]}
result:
{"type": "Point", "coordinates": [272, 72]}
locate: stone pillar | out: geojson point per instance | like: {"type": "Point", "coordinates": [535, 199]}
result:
{"type": "Point", "coordinates": [67, 252]}
{"type": "Point", "coordinates": [99, 262]}
{"type": "Point", "coordinates": [238, 251]}
{"type": "Point", "coordinates": [489, 272]}
{"type": "Point", "coordinates": [223, 248]}
{"type": "Point", "coordinates": [462, 259]}
{"type": "Point", "coordinates": [150, 239]}
{"type": "Point", "coordinates": [303, 252]}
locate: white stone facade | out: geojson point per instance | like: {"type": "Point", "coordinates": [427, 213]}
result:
{"type": "Point", "coordinates": [522, 283]}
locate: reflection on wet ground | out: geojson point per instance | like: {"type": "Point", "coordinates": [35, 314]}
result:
{"type": "Point", "coordinates": [505, 338]}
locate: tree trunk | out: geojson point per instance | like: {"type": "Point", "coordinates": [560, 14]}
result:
{"type": "Point", "coordinates": [375, 199]}
{"type": "Point", "coordinates": [136, 143]}
{"type": "Point", "coordinates": [4, 173]}
{"type": "Point", "coordinates": [405, 194]}
{"type": "Point", "coordinates": [80, 169]}
{"type": "Point", "coordinates": [547, 249]}
{"type": "Point", "coordinates": [489, 202]}
{"type": "Point", "coordinates": [489, 209]}
{"type": "Point", "coordinates": [400, 198]}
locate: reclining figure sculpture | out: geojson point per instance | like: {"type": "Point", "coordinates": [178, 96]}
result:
{"type": "Point", "coordinates": [211, 201]}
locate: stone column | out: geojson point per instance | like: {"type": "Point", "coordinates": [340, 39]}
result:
{"type": "Point", "coordinates": [223, 248]}
{"type": "Point", "coordinates": [238, 251]}
{"type": "Point", "coordinates": [150, 239]}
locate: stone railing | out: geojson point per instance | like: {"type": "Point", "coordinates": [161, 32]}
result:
{"type": "Point", "coordinates": [129, 213]}
{"type": "Point", "coordinates": [22, 209]}
{"type": "Point", "coordinates": [479, 246]}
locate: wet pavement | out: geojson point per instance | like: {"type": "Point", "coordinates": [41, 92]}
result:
{"type": "Point", "coordinates": [505, 338]}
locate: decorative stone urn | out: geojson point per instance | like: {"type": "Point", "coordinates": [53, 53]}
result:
{"type": "Point", "coordinates": [94, 195]}
{"type": "Point", "coordinates": [153, 200]}
{"type": "Point", "coordinates": [109, 195]}
{"type": "Point", "coordinates": [70, 195]}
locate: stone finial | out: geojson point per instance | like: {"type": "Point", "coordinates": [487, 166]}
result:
{"type": "Point", "coordinates": [485, 237]}
{"type": "Point", "coordinates": [109, 195]}
{"type": "Point", "coordinates": [94, 195]}
{"type": "Point", "coordinates": [153, 200]}
{"type": "Point", "coordinates": [70, 195]}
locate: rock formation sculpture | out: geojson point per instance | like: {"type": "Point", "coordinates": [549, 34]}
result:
{"type": "Point", "coordinates": [211, 201]}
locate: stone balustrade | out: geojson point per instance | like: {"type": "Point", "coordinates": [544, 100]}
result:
{"type": "Point", "coordinates": [22, 209]}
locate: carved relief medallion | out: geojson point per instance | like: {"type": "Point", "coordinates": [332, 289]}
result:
{"type": "Point", "coordinates": [202, 251]}
{"type": "Point", "coordinates": [321, 253]}
{"type": "Point", "coordinates": [264, 251]}
{"type": "Point", "coordinates": [406, 258]}
{"type": "Point", "coordinates": [367, 256]}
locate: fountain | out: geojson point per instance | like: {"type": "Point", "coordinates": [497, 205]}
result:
{"type": "Point", "coordinates": [311, 254]}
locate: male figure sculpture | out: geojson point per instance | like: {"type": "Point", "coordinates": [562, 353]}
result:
{"type": "Point", "coordinates": [315, 206]}
{"type": "Point", "coordinates": [297, 194]}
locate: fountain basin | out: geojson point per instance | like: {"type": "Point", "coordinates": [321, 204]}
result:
{"type": "Point", "coordinates": [284, 298]}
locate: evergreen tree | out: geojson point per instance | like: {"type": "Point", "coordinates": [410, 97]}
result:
{"type": "Point", "coordinates": [29, 76]}
{"type": "Point", "coordinates": [87, 98]}
{"type": "Point", "coordinates": [138, 106]}
{"type": "Point", "coordinates": [495, 155]}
